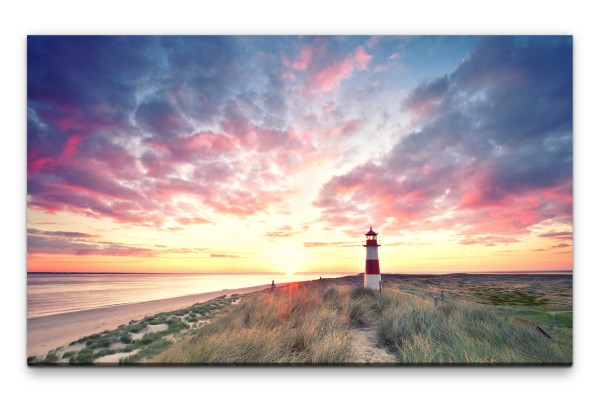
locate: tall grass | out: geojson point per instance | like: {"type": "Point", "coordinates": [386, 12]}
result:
{"type": "Point", "coordinates": [309, 324]}
{"type": "Point", "coordinates": [296, 324]}
{"type": "Point", "coordinates": [460, 333]}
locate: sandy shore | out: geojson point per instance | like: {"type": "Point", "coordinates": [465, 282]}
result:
{"type": "Point", "coordinates": [48, 332]}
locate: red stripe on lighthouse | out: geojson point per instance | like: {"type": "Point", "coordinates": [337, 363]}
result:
{"type": "Point", "coordinates": [372, 267]}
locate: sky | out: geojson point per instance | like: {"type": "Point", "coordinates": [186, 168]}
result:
{"type": "Point", "coordinates": [277, 153]}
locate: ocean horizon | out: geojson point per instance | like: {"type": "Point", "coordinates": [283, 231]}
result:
{"type": "Point", "coordinates": [52, 293]}
{"type": "Point", "coordinates": [55, 293]}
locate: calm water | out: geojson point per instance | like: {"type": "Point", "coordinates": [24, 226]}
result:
{"type": "Point", "coordinates": [50, 294]}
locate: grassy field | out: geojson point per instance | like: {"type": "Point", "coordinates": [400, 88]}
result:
{"type": "Point", "coordinates": [338, 322]}
{"type": "Point", "coordinates": [481, 320]}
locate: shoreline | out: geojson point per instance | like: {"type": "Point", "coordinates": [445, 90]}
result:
{"type": "Point", "coordinates": [46, 333]}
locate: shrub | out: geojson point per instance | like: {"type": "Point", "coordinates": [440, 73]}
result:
{"type": "Point", "coordinates": [83, 357]}
{"type": "Point", "coordinates": [68, 354]}
{"type": "Point", "coordinates": [51, 358]}
{"type": "Point", "coordinates": [98, 343]}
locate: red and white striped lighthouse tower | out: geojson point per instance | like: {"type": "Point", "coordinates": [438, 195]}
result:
{"type": "Point", "coordinates": [372, 275]}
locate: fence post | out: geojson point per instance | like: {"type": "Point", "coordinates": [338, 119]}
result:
{"type": "Point", "coordinates": [442, 295]}
{"type": "Point", "coordinates": [380, 286]}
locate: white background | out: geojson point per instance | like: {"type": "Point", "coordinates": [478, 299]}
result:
{"type": "Point", "coordinates": [297, 17]}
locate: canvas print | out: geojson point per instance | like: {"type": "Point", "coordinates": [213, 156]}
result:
{"type": "Point", "coordinates": [299, 200]}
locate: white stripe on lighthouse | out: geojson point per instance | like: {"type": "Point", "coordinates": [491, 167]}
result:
{"type": "Point", "coordinates": [372, 281]}
{"type": "Point", "coordinates": [372, 253]}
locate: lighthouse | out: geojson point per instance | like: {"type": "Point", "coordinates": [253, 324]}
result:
{"type": "Point", "coordinates": [372, 275]}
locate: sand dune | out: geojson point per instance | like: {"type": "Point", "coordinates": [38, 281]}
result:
{"type": "Point", "coordinates": [48, 332]}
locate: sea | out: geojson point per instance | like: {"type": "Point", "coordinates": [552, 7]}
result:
{"type": "Point", "coordinates": [55, 293]}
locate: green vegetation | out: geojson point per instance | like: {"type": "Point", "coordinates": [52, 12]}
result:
{"type": "Point", "coordinates": [310, 324]}
{"type": "Point", "coordinates": [156, 347]}
{"type": "Point", "coordinates": [83, 357]}
{"type": "Point", "coordinates": [98, 342]}
{"type": "Point", "coordinates": [68, 354]}
{"type": "Point", "coordinates": [125, 338]}
{"type": "Point", "coordinates": [565, 319]}
{"type": "Point", "coordinates": [50, 358]}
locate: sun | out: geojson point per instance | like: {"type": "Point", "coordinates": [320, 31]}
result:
{"type": "Point", "coordinates": [289, 259]}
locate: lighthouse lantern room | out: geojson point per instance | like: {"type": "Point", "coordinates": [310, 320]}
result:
{"type": "Point", "coordinates": [372, 274]}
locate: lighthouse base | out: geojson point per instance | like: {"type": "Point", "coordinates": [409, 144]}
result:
{"type": "Point", "coordinates": [372, 281]}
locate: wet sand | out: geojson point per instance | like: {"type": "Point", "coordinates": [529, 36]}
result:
{"type": "Point", "coordinates": [48, 332]}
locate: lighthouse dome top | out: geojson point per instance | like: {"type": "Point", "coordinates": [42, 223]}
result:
{"type": "Point", "coordinates": [371, 232]}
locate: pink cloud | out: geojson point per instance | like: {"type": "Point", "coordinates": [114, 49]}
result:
{"type": "Point", "coordinates": [487, 240]}
{"type": "Point", "coordinates": [329, 77]}
{"type": "Point", "coordinates": [361, 58]}
{"type": "Point", "coordinates": [348, 127]}
{"type": "Point", "coordinates": [186, 221]}
{"type": "Point", "coordinates": [70, 147]}
{"type": "Point", "coordinates": [75, 243]}
{"type": "Point", "coordinates": [419, 201]}
{"type": "Point", "coordinates": [37, 163]}
{"type": "Point", "coordinates": [304, 60]}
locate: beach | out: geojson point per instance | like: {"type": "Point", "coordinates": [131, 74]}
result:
{"type": "Point", "coordinates": [48, 332]}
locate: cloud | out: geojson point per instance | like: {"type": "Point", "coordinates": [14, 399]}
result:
{"type": "Point", "coordinates": [303, 60]}
{"type": "Point", "coordinates": [186, 221]}
{"type": "Point", "coordinates": [558, 235]}
{"type": "Point", "coordinates": [160, 118]}
{"type": "Point", "coordinates": [52, 243]}
{"type": "Point", "coordinates": [489, 155]}
{"type": "Point", "coordinates": [223, 255]}
{"type": "Point", "coordinates": [79, 244]}
{"type": "Point", "coordinates": [343, 244]}
{"type": "Point", "coordinates": [487, 240]}
{"type": "Point", "coordinates": [329, 77]}
{"type": "Point", "coordinates": [361, 58]}
{"type": "Point", "coordinates": [282, 232]}
{"type": "Point", "coordinates": [124, 127]}
{"type": "Point", "coordinates": [66, 234]}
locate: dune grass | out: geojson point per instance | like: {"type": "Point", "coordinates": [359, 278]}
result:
{"type": "Point", "coordinates": [461, 333]}
{"type": "Point", "coordinates": [291, 325]}
{"type": "Point", "coordinates": [312, 324]}
{"type": "Point", "coordinates": [336, 323]}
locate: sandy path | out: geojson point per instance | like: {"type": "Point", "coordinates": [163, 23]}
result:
{"type": "Point", "coordinates": [365, 348]}
{"type": "Point", "coordinates": [48, 332]}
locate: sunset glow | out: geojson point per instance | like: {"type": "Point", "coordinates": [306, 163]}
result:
{"type": "Point", "coordinates": [276, 154]}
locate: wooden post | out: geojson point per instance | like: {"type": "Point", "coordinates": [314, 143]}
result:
{"type": "Point", "coordinates": [380, 286]}
{"type": "Point", "coordinates": [442, 295]}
